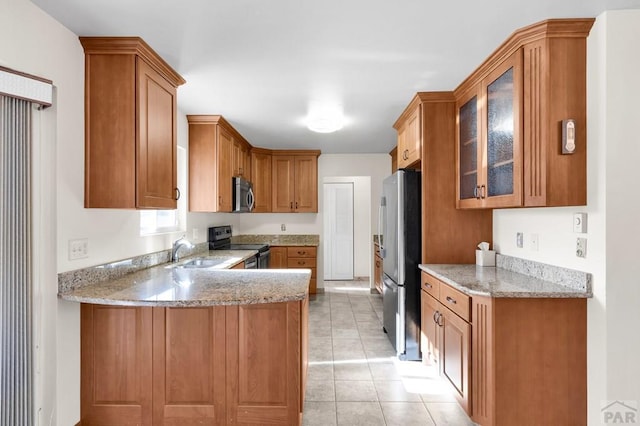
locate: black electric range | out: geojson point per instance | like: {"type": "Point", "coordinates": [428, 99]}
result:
{"type": "Point", "coordinates": [220, 239]}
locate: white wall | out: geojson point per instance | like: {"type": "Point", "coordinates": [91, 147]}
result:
{"type": "Point", "coordinates": [613, 153]}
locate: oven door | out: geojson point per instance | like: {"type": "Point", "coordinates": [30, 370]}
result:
{"type": "Point", "coordinates": [263, 259]}
{"type": "Point", "coordinates": [251, 263]}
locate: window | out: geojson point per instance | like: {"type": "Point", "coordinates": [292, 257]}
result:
{"type": "Point", "coordinates": [164, 221]}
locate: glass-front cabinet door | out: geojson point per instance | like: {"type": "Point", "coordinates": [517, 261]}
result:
{"type": "Point", "coordinates": [468, 150]}
{"type": "Point", "coordinates": [489, 139]}
{"type": "Point", "coordinates": [502, 89]}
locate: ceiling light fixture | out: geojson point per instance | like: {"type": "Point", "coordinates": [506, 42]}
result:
{"type": "Point", "coordinates": [325, 120]}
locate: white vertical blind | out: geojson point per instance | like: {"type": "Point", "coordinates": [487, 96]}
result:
{"type": "Point", "coordinates": [16, 349]}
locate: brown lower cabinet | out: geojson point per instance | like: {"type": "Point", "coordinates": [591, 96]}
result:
{"type": "Point", "coordinates": [221, 365]}
{"type": "Point", "coordinates": [510, 361]}
{"type": "Point", "coordinates": [289, 257]}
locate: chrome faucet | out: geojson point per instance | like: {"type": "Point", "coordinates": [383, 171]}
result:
{"type": "Point", "coordinates": [176, 246]}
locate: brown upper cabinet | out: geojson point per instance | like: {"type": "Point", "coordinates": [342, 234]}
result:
{"type": "Point", "coordinates": [509, 121]}
{"type": "Point", "coordinates": [295, 181]}
{"type": "Point", "coordinates": [409, 135]}
{"type": "Point", "coordinates": [261, 179]}
{"type": "Point", "coordinates": [217, 153]}
{"type": "Point", "coordinates": [130, 125]}
{"type": "Point", "coordinates": [211, 140]}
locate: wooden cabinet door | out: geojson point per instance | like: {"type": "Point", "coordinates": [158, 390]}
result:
{"type": "Point", "coordinates": [455, 355]}
{"type": "Point", "coordinates": [261, 179]}
{"type": "Point", "coordinates": [236, 158]}
{"type": "Point", "coordinates": [283, 183]}
{"type": "Point", "coordinates": [278, 258]}
{"type": "Point", "coordinates": [156, 146]}
{"type": "Point", "coordinates": [264, 364]}
{"type": "Point", "coordinates": [409, 144]}
{"type": "Point", "coordinates": [189, 366]}
{"type": "Point", "coordinates": [225, 169]}
{"type": "Point", "coordinates": [306, 184]}
{"type": "Point", "coordinates": [502, 134]}
{"type": "Point", "coordinates": [115, 363]}
{"type": "Point", "coordinates": [245, 164]}
{"type": "Point", "coordinates": [430, 335]}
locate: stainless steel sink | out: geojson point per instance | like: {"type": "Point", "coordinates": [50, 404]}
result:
{"type": "Point", "coordinates": [201, 263]}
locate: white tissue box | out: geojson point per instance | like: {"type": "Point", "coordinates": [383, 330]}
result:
{"type": "Point", "coordinates": [485, 257]}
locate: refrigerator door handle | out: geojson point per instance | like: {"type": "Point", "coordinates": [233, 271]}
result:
{"type": "Point", "coordinates": [401, 346]}
{"type": "Point", "coordinates": [381, 223]}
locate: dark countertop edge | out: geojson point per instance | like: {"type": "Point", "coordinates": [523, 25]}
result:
{"type": "Point", "coordinates": [183, 303]}
{"type": "Point", "coordinates": [570, 294]}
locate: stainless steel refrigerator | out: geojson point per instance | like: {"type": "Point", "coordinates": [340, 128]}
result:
{"type": "Point", "coordinates": [400, 230]}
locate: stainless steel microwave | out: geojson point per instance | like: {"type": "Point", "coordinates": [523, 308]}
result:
{"type": "Point", "coordinates": [243, 199]}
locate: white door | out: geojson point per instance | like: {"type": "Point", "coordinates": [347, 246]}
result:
{"type": "Point", "coordinates": [338, 231]}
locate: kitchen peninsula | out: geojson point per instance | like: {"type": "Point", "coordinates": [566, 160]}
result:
{"type": "Point", "coordinates": [174, 344]}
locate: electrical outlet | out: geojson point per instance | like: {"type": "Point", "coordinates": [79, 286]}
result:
{"type": "Point", "coordinates": [519, 240]}
{"type": "Point", "coordinates": [581, 247]}
{"type": "Point", "coordinates": [283, 227]}
{"type": "Point", "coordinates": [533, 242]}
{"type": "Point", "coordinates": [196, 233]}
{"type": "Point", "coordinates": [78, 249]}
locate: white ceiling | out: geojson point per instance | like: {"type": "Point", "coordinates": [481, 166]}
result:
{"type": "Point", "coordinates": [261, 64]}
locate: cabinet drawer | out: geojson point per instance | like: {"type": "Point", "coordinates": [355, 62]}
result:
{"type": "Point", "coordinates": [455, 300]}
{"type": "Point", "coordinates": [430, 284]}
{"type": "Point", "coordinates": [301, 262]}
{"type": "Point", "coordinates": [301, 252]}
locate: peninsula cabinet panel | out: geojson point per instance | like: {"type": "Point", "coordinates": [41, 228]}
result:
{"type": "Point", "coordinates": [130, 125]}
{"type": "Point", "coordinates": [116, 376]}
{"type": "Point", "coordinates": [264, 364]}
{"type": "Point", "coordinates": [261, 179]}
{"type": "Point", "coordinates": [510, 112]}
{"type": "Point", "coordinates": [188, 366]}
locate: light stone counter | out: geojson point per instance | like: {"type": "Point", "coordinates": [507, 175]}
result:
{"type": "Point", "coordinates": [532, 279]}
{"type": "Point", "coordinates": [278, 240]}
{"type": "Point", "coordinates": [170, 284]}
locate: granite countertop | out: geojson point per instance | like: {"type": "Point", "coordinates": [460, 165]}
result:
{"type": "Point", "coordinates": [278, 240]}
{"type": "Point", "coordinates": [476, 280]}
{"type": "Point", "coordinates": [170, 284]}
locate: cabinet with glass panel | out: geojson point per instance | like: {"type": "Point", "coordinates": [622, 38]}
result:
{"type": "Point", "coordinates": [489, 139]}
{"type": "Point", "coordinates": [509, 116]}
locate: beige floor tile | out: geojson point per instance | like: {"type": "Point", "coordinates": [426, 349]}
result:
{"type": "Point", "coordinates": [318, 413]}
{"type": "Point", "coordinates": [352, 371]}
{"type": "Point", "coordinates": [355, 390]}
{"type": "Point", "coordinates": [406, 414]}
{"type": "Point", "coordinates": [448, 414]}
{"type": "Point", "coordinates": [359, 414]}
{"type": "Point", "coordinates": [320, 390]}
{"type": "Point", "coordinates": [395, 391]}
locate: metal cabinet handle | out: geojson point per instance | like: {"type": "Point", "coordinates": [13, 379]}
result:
{"type": "Point", "coordinates": [291, 205]}
{"type": "Point", "coordinates": [220, 200]}
{"type": "Point", "coordinates": [440, 321]}
{"type": "Point", "coordinates": [435, 316]}
{"type": "Point", "coordinates": [483, 191]}
{"type": "Point", "coordinates": [451, 300]}
{"type": "Point", "coordinates": [177, 194]}
{"type": "Point", "coordinates": [476, 192]}
{"type": "Point", "coordinates": [296, 204]}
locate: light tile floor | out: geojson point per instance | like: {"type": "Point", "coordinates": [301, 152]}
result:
{"type": "Point", "coordinates": [355, 379]}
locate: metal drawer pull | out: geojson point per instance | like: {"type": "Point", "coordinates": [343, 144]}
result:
{"type": "Point", "coordinates": [301, 262]}
{"type": "Point", "coordinates": [302, 253]}
{"type": "Point", "coordinates": [451, 300]}
{"type": "Point", "coordinates": [427, 285]}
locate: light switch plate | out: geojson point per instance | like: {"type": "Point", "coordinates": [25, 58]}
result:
{"type": "Point", "coordinates": [580, 223]}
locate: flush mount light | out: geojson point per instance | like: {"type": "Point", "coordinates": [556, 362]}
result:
{"type": "Point", "coordinates": [325, 120]}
